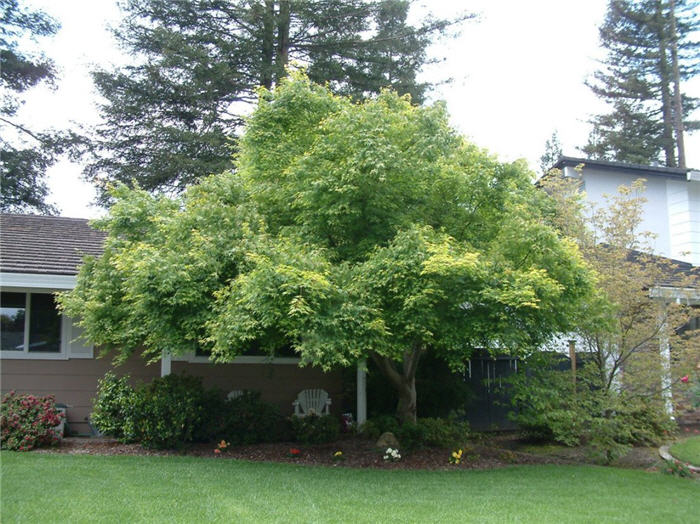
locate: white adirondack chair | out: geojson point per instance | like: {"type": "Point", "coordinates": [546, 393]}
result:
{"type": "Point", "coordinates": [234, 394]}
{"type": "Point", "coordinates": [312, 401]}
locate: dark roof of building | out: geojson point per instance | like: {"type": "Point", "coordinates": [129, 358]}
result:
{"type": "Point", "coordinates": [676, 173]}
{"type": "Point", "coordinates": [46, 244]}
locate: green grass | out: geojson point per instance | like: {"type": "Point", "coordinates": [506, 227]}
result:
{"type": "Point", "coordinates": [687, 451]}
{"type": "Point", "coordinates": [65, 488]}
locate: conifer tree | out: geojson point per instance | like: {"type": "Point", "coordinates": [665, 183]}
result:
{"type": "Point", "coordinates": [650, 51]}
{"type": "Point", "coordinates": [25, 153]}
{"type": "Point", "coordinates": [172, 117]}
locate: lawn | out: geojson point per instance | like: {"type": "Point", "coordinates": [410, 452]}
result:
{"type": "Point", "coordinates": [687, 450]}
{"type": "Point", "coordinates": [73, 488]}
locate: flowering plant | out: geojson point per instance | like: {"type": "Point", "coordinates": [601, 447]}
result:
{"type": "Point", "coordinates": [392, 455]}
{"type": "Point", "coordinates": [456, 457]}
{"type": "Point", "coordinates": [338, 456]}
{"type": "Point", "coordinates": [27, 421]}
{"type": "Point", "coordinates": [221, 446]}
{"type": "Point", "coordinates": [294, 452]}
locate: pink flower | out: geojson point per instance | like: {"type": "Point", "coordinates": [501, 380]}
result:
{"type": "Point", "coordinates": [217, 451]}
{"type": "Point", "coordinates": [684, 379]}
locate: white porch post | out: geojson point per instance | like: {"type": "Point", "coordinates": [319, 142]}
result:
{"type": "Point", "coordinates": [361, 392]}
{"type": "Point", "coordinates": [665, 351]}
{"type": "Point", "coordinates": [165, 362]}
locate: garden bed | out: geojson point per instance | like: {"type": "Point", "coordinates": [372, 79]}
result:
{"type": "Point", "coordinates": [493, 452]}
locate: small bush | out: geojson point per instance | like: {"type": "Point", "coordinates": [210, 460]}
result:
{"type": "Point", "coordinates": [314, 429]}
{"type": "Point", "coordinates": [171, 411]}
{"type": "Point", "coordinates": [375, 426]}
{"type": "Point", "coordinates": [167, 413]}
{"type": "Point", "coordinates": [426, 432]}
{"type": "Point", "coordinates": [27, 421]}
{"type": "Point", "coordinates": [547, 406]}
{"type": "Point", "coordinates": [249, 420]}
{"type": "Point", "coordinates": [114, 408]}
{"type": "Point", "coordinates": [443, 432]}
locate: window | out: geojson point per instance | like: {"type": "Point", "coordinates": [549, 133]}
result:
{"type": "Point", "coordinates": [30, 323]}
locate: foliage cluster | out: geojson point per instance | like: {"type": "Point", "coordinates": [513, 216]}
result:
{"type": "Point", "coordinates": [315, 429]}
{"type": "Point", "coordinates": [199, 65]}
{"type": "Point", "coordinates": [651, 48]}
{"type": "Point", "coordinates": [549, 406]}
{"type": "Point", "coordinates": [348, 231]}
{"type": "Point", "coordinates": [25, 153]}
{"type": "Point", "coordinates": [168, 412]}
{"type": "Point", "coordinates": [28, 421]}
{"type": "Point", "coordinates": [247, 419]}
{"type": "Point", "coordinates": [424, 432]}
{"type": "Point", "coordinates": [174, 410]}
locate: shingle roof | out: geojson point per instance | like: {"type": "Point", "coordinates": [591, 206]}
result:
{"type": "Point", "coordinates": [45, 244]}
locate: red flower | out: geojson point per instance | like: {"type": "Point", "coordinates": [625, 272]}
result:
{"type": "Point", "coordinates": [684, 379]}
{"type": "Point", "coordinates": [294, 451]}
{"type": "Point", "coordinates": [217, 451]}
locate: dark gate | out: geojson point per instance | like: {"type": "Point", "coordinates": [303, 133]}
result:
{"type": "Point", "coordinates": [491, 401]}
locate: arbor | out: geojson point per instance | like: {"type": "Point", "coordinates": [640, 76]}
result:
{"type": "Point", "coordinates": [172, 117]}
{"type": "Point", "coordinates": [25, 154]}
{"type": "Point", "coordinates": [349, 231]}
{"type": "Point", "coordinates": [651, 50]}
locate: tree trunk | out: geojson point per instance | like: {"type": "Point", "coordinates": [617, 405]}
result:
{"type": "Point", "coordinates": [677, 98]}
{"type": "Point", "coordinates": [665, 87]}
{"type": "Point", "coordinates": [403, 380]}
{"type": "Point", "coordinates": [282, 56]}
{"type": "Point", "coordinates": [268, 44]}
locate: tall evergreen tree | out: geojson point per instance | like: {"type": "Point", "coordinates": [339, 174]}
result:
{"type": "Point", "coordinates": [173, 116]}
{"type": "Point", "coordinates": [650, 52]}
{"type": "Point", "coordinates": [25, 154]}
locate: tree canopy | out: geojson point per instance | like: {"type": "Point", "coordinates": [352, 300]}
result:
{"type": "Point", "coordinates": [25, 154]}
{"type": "Point", "coordinates": [172, 117]}
{"type": "Point", "coordinates": [348, 231]}
{"type": "Point", "coordinates": [650, 50]}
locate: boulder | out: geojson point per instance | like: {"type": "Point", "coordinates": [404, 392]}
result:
{"type": "Point", "coordinates": [387, 440]}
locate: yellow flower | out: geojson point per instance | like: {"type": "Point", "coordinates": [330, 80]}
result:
{"type": "Point", "coordinates": [337, 453]}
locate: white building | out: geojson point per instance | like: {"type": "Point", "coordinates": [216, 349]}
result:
{"type": "Point", "coordinates": [672, 210]}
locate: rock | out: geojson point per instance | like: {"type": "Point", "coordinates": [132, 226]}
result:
{"type": "Point", "coordinates": [387, 440]}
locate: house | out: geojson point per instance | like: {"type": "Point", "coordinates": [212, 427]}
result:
{"type": "Point", "coordinates": [672, 210]}
{"type": "Point", "coordinates": [41, 354]}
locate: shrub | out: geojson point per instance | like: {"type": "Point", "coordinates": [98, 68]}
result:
{"type": "Point", "coordinates": [249, 420]}
{"type": "Point", "coordinates": [27, 421]}
{"type": "Point", "coordinates": [314, 429]}
{"type": "Point", "coordinates": [375, 426]}
{"type": "Point", "coordinates": [443, 432]}
{"type": "Point", "coordinates": [548, 407]}
{"type": "Point", "coordinates": [114, 408]}
{"type": "Point", "coordinates": [171, 411]}
{"type": "Point", "coordinates": [426, 432]}
{"type": "Point", "coordinates": [167, 413]}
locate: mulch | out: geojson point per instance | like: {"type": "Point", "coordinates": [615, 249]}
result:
{"type": "Point", "coordinates": [356, 453]}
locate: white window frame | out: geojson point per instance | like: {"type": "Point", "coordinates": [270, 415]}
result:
{"type": "Point", "coordinates": [25, 354]}
{"type": "Point", "coordinates": [46, 284]}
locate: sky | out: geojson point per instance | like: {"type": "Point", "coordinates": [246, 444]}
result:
{"type": "Point", "coordinates": [518, 74]}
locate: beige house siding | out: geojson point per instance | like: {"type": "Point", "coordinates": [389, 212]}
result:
{"type": "Point", "coordinates": [278, 383]}
{"type": "Point", "coordinates": [74, 382]}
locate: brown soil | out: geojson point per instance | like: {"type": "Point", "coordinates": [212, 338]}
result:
{"type": "Point", "coordinates": [498, 451]}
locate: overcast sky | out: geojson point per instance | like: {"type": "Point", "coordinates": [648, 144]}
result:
{"type": "Point", "coordinates": [518, 74]}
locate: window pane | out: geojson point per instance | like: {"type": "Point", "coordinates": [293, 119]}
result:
{"type": "Point", "coordinates": [44, 324]}
{"type": "Point", "coordinates": [12, 309]}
